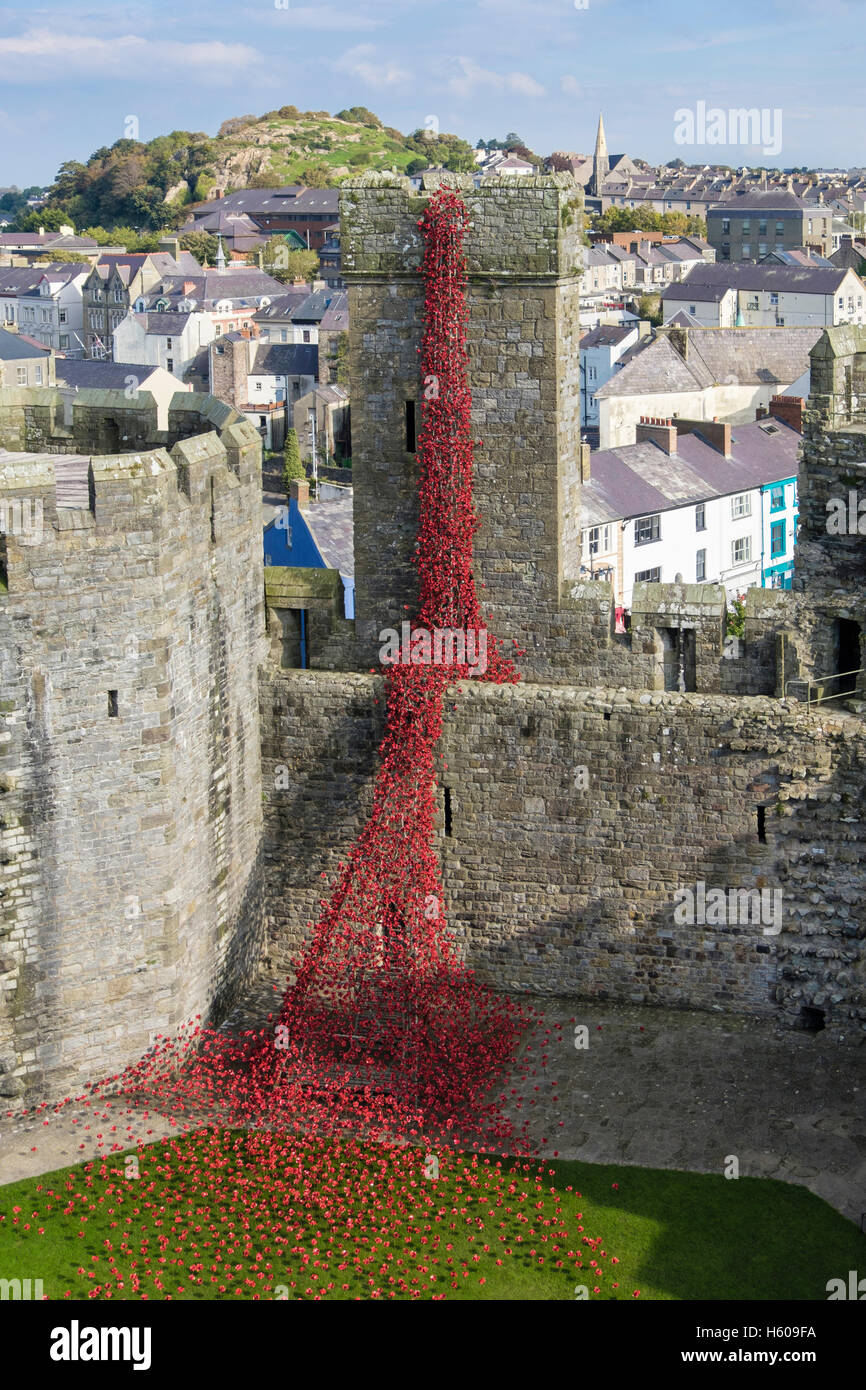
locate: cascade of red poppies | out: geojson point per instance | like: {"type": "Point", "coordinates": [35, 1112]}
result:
{"type": "Point", "coordinates": [381, 975]}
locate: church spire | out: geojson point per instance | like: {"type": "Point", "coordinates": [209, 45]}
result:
{"type": "Point", "coordinates": [600, 162]}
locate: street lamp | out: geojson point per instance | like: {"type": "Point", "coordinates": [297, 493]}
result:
{"type": "Point", "coordinates": [312, 415]}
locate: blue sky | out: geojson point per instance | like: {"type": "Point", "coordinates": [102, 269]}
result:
{"type": "Point", "coordinates": [72, 73]}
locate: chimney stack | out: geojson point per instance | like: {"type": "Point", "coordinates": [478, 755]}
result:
{"type": "Point", "coordinates": [657, 430]}
{"type": "Point", "coordinates": [713, 432]}
{"type": "Point", "coordinates": [788, 409]}
{"type": "Point", "coordinates": [585, 454]}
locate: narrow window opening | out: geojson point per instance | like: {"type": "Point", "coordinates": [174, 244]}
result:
{"type": "Point", "coordinates": [112, 704]}
{"type": "Point", "coordinates": [812, 1020]}
{"type": "Point", "coordinates": [448, 816]}
{"type": "Point", "coordinates": [212, 513]}
{"type": "Point", "coordinates": [762, 824]}
{"type": "Point", "coordinates": [607, 714]}
{"type": "Point", "coordinates": [410, 427]}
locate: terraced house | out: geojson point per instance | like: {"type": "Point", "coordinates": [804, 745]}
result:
{"type": "Point", "coordinates": [45, 302]}
{"type": "Point", "coordinates": [754, 224]}
{"type": "Point", "coordinates": [113, 286]}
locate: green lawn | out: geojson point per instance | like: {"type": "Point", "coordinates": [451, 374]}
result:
{"type": "Point", "coordinates": [231, 1215]}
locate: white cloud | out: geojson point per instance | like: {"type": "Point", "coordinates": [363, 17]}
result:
{"type": "Point", "coordinates": [309, 17]}
{"type": "Point", "coordinates": [45, 52]}
{"type": "Point", "coordinates": [469, 78]}
{"type": "Point", "coordinates": [361, 62]}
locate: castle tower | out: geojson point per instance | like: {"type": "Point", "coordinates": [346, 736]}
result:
{"type": "Point", "coordinates": [131, 629]}
{"type": "Point", "coordinates": [523, 333]}
{"type": "Point", "coordinates": [600, 160]}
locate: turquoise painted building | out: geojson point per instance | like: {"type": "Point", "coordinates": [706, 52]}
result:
{"type": "Point", "coordinates": [780, 519]}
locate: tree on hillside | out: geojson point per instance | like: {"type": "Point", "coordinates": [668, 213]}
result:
{"type": "Point", "coordinates": [285, 265]}
{"type": "Point", "coordinates": [627, 220]}
{"type": "Point", "coordinates": [201, 245]}
{"type": "Point", "coordinates": [52, 219]}
{"type": "Point", "coordinates": [58, 257]}
{"type": "Point", "coordinates": [448, 150]}
{"type": "Point", "coordinates": [292, 466]}
{"type": "Point", "coordinates": [361, 116]}
{"type": "Point", "coordinates": [315, 176]}
{"type": "Point", "coordinates": [234, 124]}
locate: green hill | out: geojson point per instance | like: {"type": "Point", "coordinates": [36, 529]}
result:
{"type": "Point", "coordinates": [147, 185]}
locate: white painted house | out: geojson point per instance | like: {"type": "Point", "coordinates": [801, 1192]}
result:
{"type": "Point", "coordinates": [688, 499]}
{"type": "Point", "coordinates": [45, 302]}
{"type": "Point", "coordinates": [601, 351]}
{"type": "Point", "coordinates": [766, 295]}
{"type": "Point", "coordinates": [168, 340]}
{"type": "Point", "coordinates": [704, 374]}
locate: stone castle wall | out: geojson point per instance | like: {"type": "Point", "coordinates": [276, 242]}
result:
{"type": "Point", "coordinates": [130, 883]}
{"type": "Point", "coordinates": [559, 880]}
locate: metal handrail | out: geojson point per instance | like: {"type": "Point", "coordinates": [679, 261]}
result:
{"type": "Point", "coordinates": [821, 699]}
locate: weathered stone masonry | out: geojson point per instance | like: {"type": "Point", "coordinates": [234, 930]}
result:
{"type": "Point", "coordinates": [551, 889]}
{"type": "Point", "coordinates": [130, 889]}
{"type": "Point", "coordinates": [558, 890]}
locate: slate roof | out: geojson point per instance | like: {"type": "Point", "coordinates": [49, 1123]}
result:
{"type": "Point", "coordinates": [336, 317]}
{"type": "Point", "coordinates": [13, 347]}
{"type": "Point", "coordinates": [311, 309]}
{"type": "Point", "coordinates": [775, 356]}
{"type": "Point", "coordinates": [89, 374]}
{"type": "Point", "coordinates": [20, 279]}
{"type": "Point", "coordinates": [286, 359]}
{"type": "Point", "coordinates": [331, 525]}
{"type": "Point", "coordinates": [244, 287]}
{"type": "Point", "coordinates": [165, 325]}
{"type": "Point", "coordinates": [762, 200]}
{"type": "Point", "coordinates": [705, 281]}
{"type": "Point", "coordinates": [641, 479]}
{"type": "Point", "coordinates": [332, 395]}
{"type": "Point", "coordinates": [658, 368]}
{"type": "Point", "coordinates": [606, 335]}
{"type": "Point", "coordinates": [282, 305]}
